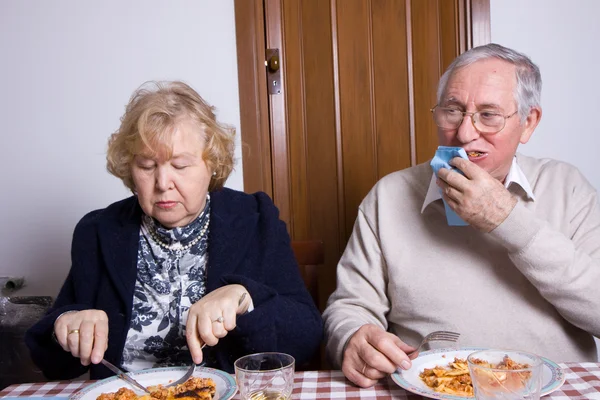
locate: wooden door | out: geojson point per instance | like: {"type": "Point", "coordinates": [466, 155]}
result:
{"type": "Point", "coordinates": [358, 79]}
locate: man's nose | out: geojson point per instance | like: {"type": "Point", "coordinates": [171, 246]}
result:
{"type": "Point", "coordinates": [466, 131]}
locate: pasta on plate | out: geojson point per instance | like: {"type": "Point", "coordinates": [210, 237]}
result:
{"type": "Point", "coordinates": [456, 380]}
{"type": "Point", "coordinates": [453, 379]}
{"type": "Point", "coordinates": [192, 389]}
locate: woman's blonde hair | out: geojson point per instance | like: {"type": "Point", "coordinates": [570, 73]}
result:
{"type": "Point", "coordinates": [151, 117]}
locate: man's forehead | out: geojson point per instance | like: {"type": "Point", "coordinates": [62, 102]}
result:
{"type": "Point", "coordinates": [485, 72]}
{"type": "Point", "coordinates": [486, 79]}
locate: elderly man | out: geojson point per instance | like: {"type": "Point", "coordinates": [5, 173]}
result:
{"type": "Point", "coordinates": [523, 275]}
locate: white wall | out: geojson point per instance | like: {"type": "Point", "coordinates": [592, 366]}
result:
{"type": "Point", "coordinates": [562, 39]}
{"type": "Point", "coordinates": [68, 68]}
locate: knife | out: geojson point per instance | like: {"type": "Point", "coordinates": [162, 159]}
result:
{"type": "Point", "coordinates": [123, 375]}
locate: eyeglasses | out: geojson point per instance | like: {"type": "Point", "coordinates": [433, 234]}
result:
{"type": "Point", "coordinates": [484, 121]}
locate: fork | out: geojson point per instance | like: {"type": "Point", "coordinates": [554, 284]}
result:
{"type": "Point", "coordinates": [187, 375]}
{"type": "Point", "coordinates": [446, 336]}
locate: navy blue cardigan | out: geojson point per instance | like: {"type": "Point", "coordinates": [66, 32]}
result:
{"type": "Point", "coordinates": [248, 245]}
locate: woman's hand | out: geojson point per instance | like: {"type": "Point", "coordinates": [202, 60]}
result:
{"type": "Point", "coordinates": [84, 334]}
{"type": "Point", "coordinates": [372, 353]}
{"type": "Point", "coordinates": [213, 316]}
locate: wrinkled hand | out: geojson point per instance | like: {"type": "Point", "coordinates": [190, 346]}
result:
{"type": "Point", "coordinates": [372, 353]}
{"type": "Point", "coordinates": [213, 316]}
{"type": "Point", "coordinates": [90, 343]}
{"type": "Point", "coordinates": [476, 197]}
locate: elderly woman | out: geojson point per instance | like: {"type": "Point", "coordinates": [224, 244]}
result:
{"type": "Point", "coordinates": [182, 263]}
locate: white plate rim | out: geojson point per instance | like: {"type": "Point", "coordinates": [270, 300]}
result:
{"type": "Point", "coordinates": [556, 381]}
{"type": "Point", "coordinates": [229, 391]}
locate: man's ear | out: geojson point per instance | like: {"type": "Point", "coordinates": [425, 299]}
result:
{"type": "Point", "coordinates": [532, 121]}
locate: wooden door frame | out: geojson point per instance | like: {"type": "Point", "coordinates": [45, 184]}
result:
{"type": "Point", "coordinates": [259, 149]}
{"type": "Point", "coordinates": [478, 22]}
{"type": "Point", "coordinates": [254, 107]}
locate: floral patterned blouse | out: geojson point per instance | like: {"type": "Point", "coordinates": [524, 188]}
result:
{"type": "Point", "coordinates": [171, 276]}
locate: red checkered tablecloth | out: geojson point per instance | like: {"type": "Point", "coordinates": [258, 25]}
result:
{"type": "Point", "coordinates": [582, 382]}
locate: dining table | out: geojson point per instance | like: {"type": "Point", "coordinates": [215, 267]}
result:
{"type": "Point", "coordinates": [582, 381]}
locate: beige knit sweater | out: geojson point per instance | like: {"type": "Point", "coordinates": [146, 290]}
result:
{"type": "Point", "coordinates": [533, 283]}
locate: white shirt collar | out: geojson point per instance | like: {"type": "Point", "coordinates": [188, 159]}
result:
{"type": "Point", "coordinates": [515, 175]}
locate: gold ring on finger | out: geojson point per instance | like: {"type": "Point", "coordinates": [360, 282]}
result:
{"type": "Point", "coordinates": [73, 331]}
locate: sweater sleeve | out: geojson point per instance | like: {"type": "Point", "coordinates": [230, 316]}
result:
{"type": "Point", "coordinates": [563, 266]}
{"type": "Point", "coordinates": [285, 318]}
{"type": "Point", "coordinates": [360, 297]}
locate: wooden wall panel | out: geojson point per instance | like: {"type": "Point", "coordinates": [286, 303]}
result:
{"type": "Point", "coordinates": [426, 72]}
{"type": "Point", "coordinates": [450, 37]}
{"type": "Point", "coordinates": [341, 206]}
{"type": "Point", "coordinates": [356, 108]}
{"type": "Point", "coordinates": [312, 130]}
{"type": "Point", "coordinates": [390, 88]}
{"type": "Point", "coordinates": [295, 97]}
{"type": "Point", "coordinates": [321, 138]}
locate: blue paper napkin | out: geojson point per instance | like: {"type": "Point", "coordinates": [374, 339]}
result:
{"type": "Point", "coordinates": [442, 157]}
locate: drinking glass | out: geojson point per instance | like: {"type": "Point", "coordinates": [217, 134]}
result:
{"type": "Point", "coordinates": [265, 376]}
{"type": "Point", "coordinates": [492, 381]}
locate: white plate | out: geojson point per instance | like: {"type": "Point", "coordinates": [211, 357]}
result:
{"type": "Point", "coordinates": [226, 387]}
{"type": "Point", "coordinates": [553, 376]}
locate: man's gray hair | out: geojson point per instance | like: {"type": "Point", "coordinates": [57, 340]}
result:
{"type": "Point", "coordinates": [528, 90]}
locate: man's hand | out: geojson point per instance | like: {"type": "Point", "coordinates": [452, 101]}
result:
{"type": "Point", "coordinates": [476, 197]}
{"type": "Point", "coordinates": [372, 353]}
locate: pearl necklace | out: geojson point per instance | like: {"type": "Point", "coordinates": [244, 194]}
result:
{"type": "Point", "coordinates": [178, 246]}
